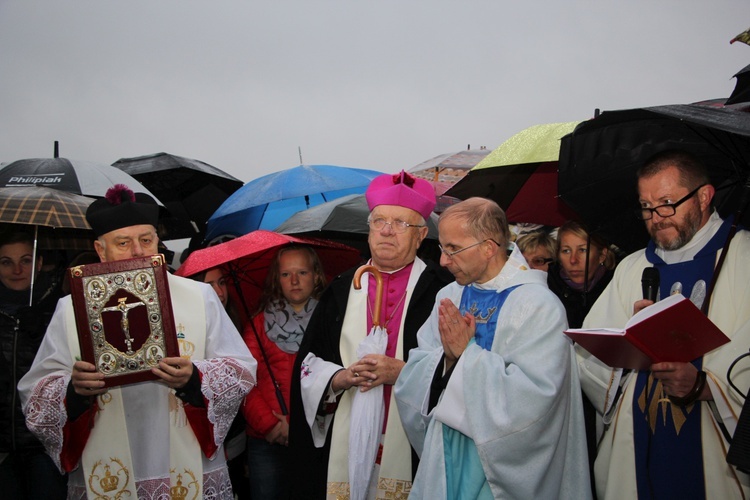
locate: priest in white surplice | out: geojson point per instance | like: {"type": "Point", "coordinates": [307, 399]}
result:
{"type": "Point", "coordinates": [490, 398]}
{"type": "Point", "coordinates": [667, 429]}
{"type": "Point", "coordinates": [153, 439]}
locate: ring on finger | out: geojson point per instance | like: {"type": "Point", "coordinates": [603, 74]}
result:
{"type": "Point", "coordinates": [356, 374]}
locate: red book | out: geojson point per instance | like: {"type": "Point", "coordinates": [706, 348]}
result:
{"type": "Point", "coordinates": [124, 317]}
{"type": "Point", "coordinates": [673, 329]}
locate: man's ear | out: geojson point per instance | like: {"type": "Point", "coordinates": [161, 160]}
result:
{"type": "Point", "coordinates": [422, 234]}
{"type": "Point", "coordinates": [705, 195]}
{"type": "Point", "coordinates": [490, 250]}
{"type": "Point", "coordinates": [99, 249]}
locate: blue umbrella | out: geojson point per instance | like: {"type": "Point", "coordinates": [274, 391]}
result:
{"type": "Point", "coordinates": [268, 201]}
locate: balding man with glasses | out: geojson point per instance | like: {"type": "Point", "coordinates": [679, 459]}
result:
{"type": "Point", "coordinates": [491, 398]}
{"type": "Point", "coordinates": [328, 369]}
{"type": "Point", "coordinates": [666, 429]}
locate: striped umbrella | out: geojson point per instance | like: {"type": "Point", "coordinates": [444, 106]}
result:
{"type": "Point", "coordinates": [59, 217]}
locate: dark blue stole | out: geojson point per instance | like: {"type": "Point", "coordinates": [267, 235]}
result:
{"type": "Point", "coordinates": [668, 451]}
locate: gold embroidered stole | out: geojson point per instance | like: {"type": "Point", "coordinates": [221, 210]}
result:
{"type": "Point", "coordinates": [107, 460]}
{"type": "Point", "coordinates": [395, 469]}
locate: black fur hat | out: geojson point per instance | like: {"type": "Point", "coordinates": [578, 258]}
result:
{"type": "Point", "coordinates": [121, 208]}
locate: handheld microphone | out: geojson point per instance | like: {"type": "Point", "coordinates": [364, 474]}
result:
{"type": "Point", "coordinates": [650, 283]}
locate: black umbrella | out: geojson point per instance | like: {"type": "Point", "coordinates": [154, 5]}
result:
{"type": "Point", "coordinates": [741, 92]}
{"type": "Point", "coordinates": [599, 158]}
{"type": "Point", "coordinates": [190, 189]}
{"type": "Point", "coordinates": [74, 176]}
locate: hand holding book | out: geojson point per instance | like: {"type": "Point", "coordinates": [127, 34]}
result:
{"type": "Point", "coordinates": [672, 329]}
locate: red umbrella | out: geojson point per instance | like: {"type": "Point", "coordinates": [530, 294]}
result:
{"type": "Point", "coordinates": [248, 258]}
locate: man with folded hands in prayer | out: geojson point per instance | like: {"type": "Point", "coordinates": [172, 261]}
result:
{"type": "Point", "coordinates": [490, 398]}
{"type": "Point", "coordinates": [148, 439]}
{"type": "Point", "coordinates": [666, 429]}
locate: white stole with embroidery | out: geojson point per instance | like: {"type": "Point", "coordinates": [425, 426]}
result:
{"type": "Point", "coordinates": [396, 461]}
{"type": "Point", "coordinates": [163, 445]}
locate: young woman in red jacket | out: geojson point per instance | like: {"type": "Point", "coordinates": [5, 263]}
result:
{"type": "Point", "coordinates": [294, 282]}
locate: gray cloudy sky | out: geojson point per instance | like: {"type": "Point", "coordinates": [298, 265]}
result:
{"type": "Point", "coordinates": [382, 85]}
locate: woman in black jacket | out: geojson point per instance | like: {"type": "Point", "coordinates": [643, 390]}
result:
{"type": "Point", "coordinates": [585, 265]}
{"type": "Point", "coordinates": [25, 469]}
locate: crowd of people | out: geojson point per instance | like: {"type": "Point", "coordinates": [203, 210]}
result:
{"type": "Point", "coordinates": [473, 390]}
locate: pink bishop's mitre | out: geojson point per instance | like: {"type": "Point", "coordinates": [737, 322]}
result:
{"type": "Point", "coordinates": [403, 190]}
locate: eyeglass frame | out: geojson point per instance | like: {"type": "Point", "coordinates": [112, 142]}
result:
{"type": "Point", "coordinates": [544, 261]}
{"type": "Point", "coordinates": [673, 206]}
{"type": "Point", "coordinates": [399, 223]}
{"type": "Point", "coordinates": [450, 255]}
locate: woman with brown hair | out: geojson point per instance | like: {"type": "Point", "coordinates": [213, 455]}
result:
{"type": "Point", "coordinates": [26, 471]}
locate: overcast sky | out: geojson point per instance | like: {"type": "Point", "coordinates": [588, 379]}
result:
{"type": "Point", "coordinates": [377, 84]}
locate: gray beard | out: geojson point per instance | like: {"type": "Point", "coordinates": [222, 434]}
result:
{"type": "Point", "coordinates": [684, 233]}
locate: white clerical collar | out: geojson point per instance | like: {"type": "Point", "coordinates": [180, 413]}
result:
{"type": "Point", "coordinates": [508, 272]}
{"type": "Point", "coordinates": [495, 283]}
{"type": "Point", "coordinates": [695, 244]}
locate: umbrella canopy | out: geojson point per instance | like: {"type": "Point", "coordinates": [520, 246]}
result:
{"type": "Point", "coordinates": [346, 215]}
{"type": "Point", "coordinates": [191, 190]}
{"type": "Point", "coordinates": [741, 92]}
{"type": "Point", "coordinates": [41, 206]}
{"type": "Point", "coordinates": [598, 161]}
{"type": "Point", "coordinates": [248, 258]}
{"type": "Point", "coordinates": [59, 217]}
{"type": "Point", "coordinates": [521, 176]}
{"type": "Point", "coordinates": [74, 176]}
{"type": "Point", "coordinates": [447, 169]}
{"type": "Point", "coordinates": [268, 201]}
{"type": "Point", "coordinates": [345, 220]}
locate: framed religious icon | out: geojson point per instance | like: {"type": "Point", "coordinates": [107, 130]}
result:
{"type": "Point", "coordinates": [124, 318]}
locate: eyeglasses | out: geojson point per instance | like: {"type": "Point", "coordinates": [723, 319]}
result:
{"type": "Point", "coordinates": [451, 254]}
{"type": "Point", "coordinates": [666, 210]}
{"type": "Point", "coordinates": [397, 226]}
{"type": "Point", "coordinates": [541, 261]}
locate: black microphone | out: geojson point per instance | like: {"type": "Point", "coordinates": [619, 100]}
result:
{"type": "Point", "coordinates": [650, 283]}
